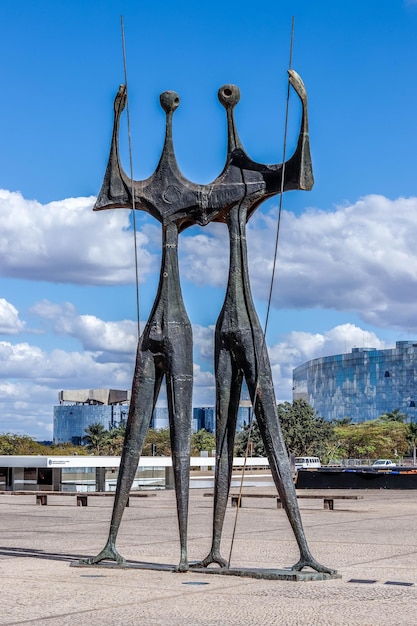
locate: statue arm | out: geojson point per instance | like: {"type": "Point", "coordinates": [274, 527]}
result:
{"type": "Point", "coordinates": [299, 169]}
{"type": "Point", "coordinates": [115, 191]}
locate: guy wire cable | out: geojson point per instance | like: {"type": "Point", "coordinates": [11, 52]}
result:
{"type": "Point", "coordinates": [269, 295]}
{"type": "Point", "coordinates": [132, 191]}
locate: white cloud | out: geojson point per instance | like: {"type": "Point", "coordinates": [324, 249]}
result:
{"type": "Point", "coordinates": [95, 334]}
{"type": "Point", "coordinates": [60, 368]}
{"type": "Point", "coordinates": [203, 387]}
{"type": "Point", "coordinates": [358, 258]}
{"type": "Point", "coordinates": [26, 408]}
{"type": "Point", "coordinates": [10, 324]}
{"type": "Point", "coordinates": [30, 378]}
{"type": "Point", "coordinates": [203, 340]}
{"type": "Point", "coordinates": [65, 241]}
{"type": "Point", "coordinates": [205, 257]}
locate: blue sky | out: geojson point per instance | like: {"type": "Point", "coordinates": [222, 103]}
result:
{"type": "Point", "coordinates": [347, 263]}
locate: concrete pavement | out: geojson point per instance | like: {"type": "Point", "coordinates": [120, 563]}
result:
{"type": "Point", "coordinates": [373, 539]}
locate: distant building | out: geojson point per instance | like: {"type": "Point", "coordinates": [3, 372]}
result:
{"type": "Point", "coordinates": [80, 408]}
{"type": "Point", "coordinates": [362, 384]}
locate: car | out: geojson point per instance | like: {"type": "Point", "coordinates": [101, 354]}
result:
{"type": "Point", "coordinates": [383, 463]}
{"type": "Point", "coordinates": [307, 462]}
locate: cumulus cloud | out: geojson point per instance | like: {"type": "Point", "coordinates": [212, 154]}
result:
{"type": "Point", "coordinates": [359, 258]}
{"type": "Point", "coordinates": [31, 377]}
{"type": "Point", "coordinates": [95, 334]}
{"type": "Point", "coordinates": [10, 324]}
{"type": "Point", "coordinates": [60, 368]}
{"type": "Point", "coordinates": [205, 256]}
{"type": "Point", "coordinates": [66, 242]}
{"type": "Point", "coordinates": [203, 339]}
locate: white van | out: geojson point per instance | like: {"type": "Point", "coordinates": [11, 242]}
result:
{"type": "Point", "coordinates": [307, 462]}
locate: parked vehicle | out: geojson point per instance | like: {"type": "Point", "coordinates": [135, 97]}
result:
{"type": "Point", "coordinates": [307, 462]}
{"type": "Point", "coordinates": [383, 463]}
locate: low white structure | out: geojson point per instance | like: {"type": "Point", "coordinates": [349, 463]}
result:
{"type": "Point", "coordinates": [95, 473]}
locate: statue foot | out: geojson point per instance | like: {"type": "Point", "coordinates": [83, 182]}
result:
{"type": "Point", "coordinates": [182, 566]}
{"type": "Point", "coordinates": [310, 562]}
{"type": "Point", "coordinates": [213, 557]}
{"type": "Point", "coordinates": [108, 553]}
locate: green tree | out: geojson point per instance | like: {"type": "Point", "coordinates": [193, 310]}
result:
{"type": "Point", "coordinates": [412, 439]}
{"type": "Point", "coordinates": [66, 449]}
{"type": "Point", "coordinates": [250, 433]}
{"type": "Point", "coordinates": [374, 438]}
{"type": "Point", "coordinates": [305, 432]}
{"type": "Point", "coordinates": [11, 443]}
{"type": "Point", "coordinates": [202, 440]}
{"type": "Point", "coordinates": [393, 416]}
{"type": "Point", "coordinates": [96, 438]}
{"type": "Point", "coordinates": [160, 439]}
{"type": "Point", "coordinates": [113, 445]}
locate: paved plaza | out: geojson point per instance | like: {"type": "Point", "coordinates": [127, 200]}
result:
{"type": "Point", "coordinates": [373, 540]}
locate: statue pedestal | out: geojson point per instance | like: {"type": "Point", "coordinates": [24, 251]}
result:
{"type": "Point", "coordinates": [244, 572]}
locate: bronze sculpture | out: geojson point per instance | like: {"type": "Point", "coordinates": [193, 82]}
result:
{"type": "Point", "coordinates": [165, 346]}
{"type": "Point", "coordinates": [240, 349]}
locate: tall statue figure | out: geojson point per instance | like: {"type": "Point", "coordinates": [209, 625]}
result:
{"type": "Point", "coordinates": [165, 346]}
{"type": "Point", "coordinates": [240, 348]}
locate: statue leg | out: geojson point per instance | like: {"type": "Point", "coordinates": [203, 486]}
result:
{"type": "Point", "coordinates": [179, 395]}
{"type": "Point", "coordinates": [145, 387]}
{"type": "Point", "coordinates": [228, 387]}
{"type": "Point", "coordinates": [269, 426]}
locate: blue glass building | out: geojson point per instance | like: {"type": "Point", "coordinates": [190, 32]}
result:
{"type": "Point", "coordinates": [361, 385]}
{"type": "Point", "coordinates": [70, 421]}
{"type": "Point", "coordinates": [79, 409]}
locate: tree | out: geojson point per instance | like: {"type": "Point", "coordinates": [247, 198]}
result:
{"type": "Point", "coordinates": [412, 439]}
{"type": "Point", "coordinates": [157, 443]}
{"type": "Point", "coordinates": [96, 438]}
{"type": "Point", "coordinates": [393, 416]}
{"type": "Point", "coordinates": [250, 432]}
{"type": "Point", "coordinates": [305, 432]}
{"type": "Point", "coordinates": [11, 444]}
{"type": "Point", "coordinates": [113, 445]}
{"type": "Point", "coordinates": [374, 438]}
{"type": "Point", "coordinates": [202, 440]}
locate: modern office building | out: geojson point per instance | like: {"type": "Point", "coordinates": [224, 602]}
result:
{"type": "Point", "coordinates": [79, 409]}
{"type": "Point", "coordinates": [205, 417]}
{"type": "Point", "coordinates": [361, 385]}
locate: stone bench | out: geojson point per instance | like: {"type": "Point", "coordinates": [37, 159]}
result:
{"type": "Point", "coordinates": [328, 499]}
{"type": "Point", "coordinates": [41, 497]}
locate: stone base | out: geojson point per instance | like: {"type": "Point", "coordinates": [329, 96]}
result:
{"type": "Point", "coordinates": [244, 572]}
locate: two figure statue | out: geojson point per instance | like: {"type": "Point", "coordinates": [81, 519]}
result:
{"type": "Point", "coordinates": [165, 346]}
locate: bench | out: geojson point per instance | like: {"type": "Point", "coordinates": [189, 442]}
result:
{"type": "Point", "coordinates": [328, 499]}
{"type": "Point", "coordinates": [41, 497]}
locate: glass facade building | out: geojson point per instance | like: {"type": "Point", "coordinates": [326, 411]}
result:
{"type": "Point", "coordinates": [360, 385]}
{"type": "Point", "coordinates": [80, 409]}
{"type": "Point", "coordinates": [70, 421]}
